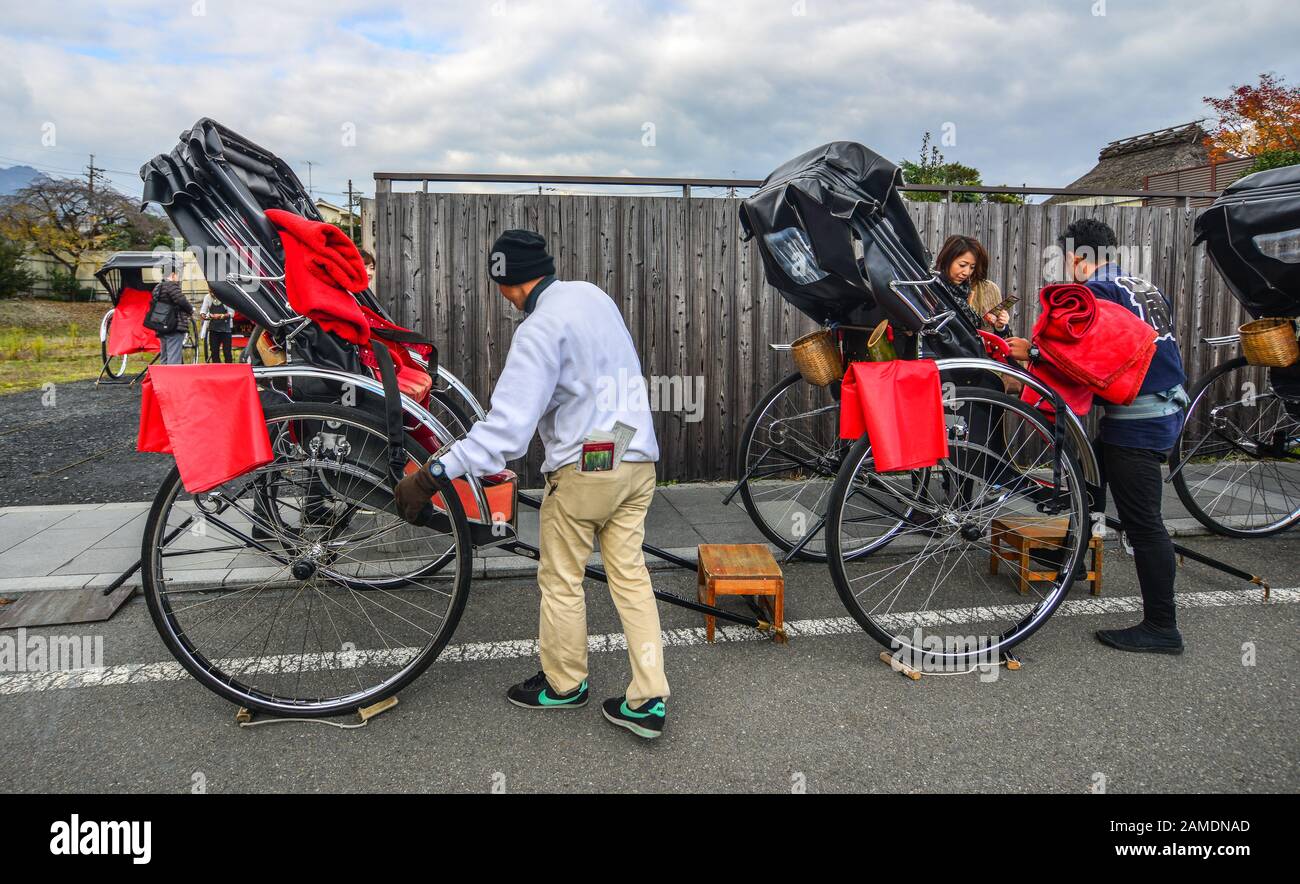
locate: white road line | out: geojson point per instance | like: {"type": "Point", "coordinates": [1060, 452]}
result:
{"type": "Point", "coordinates": [474, 652]}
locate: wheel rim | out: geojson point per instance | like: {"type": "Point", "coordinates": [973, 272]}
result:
{"type": "Point", "coordinates": [792, 457]}
{"type": "Point", "coordinates": [931, 595]}
{"type": "Point", "coordinates": [344, 603]}
{"type": "Point", "coordinates": [1239, 455]}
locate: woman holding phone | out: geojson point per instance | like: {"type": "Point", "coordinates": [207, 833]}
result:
{"type": "Point", "coordinates": [964, 264]}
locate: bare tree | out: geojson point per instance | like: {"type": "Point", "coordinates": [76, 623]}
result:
{"type": "Point", "coordinates": [64, 218]}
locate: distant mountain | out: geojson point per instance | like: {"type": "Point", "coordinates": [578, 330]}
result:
{"type": "Point", "coordinates": [15, 178]}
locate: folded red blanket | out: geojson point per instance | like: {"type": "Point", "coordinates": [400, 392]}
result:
{"type": "Point", "coordinates": [321, 267]}
{"type": "Point", "coordinates": [899, 405]}
{"type": "Point", "coordinates": [209, 417]}
{"type": "Point", "coordinates": [126, 333]}
{"type": "Point", "coordinates": [1097, 344]}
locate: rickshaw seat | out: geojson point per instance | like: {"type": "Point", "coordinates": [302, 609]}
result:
{"type": "Point", "coordinates": [126, 333]}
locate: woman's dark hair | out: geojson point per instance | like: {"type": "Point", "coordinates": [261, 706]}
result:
{"type": "Point", "coordinates": [367, 257]}
{"type": "Point", "coordinates": [954, 247]}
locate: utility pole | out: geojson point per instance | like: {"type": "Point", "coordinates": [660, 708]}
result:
{"type": "Point", "coordinates": [90, 176]}
{"type": "Point", "coordinates": [310, 192]}
{"type": "Point", "coordinates": [352, 232]}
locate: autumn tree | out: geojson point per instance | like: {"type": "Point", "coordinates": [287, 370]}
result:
{"type": "Point", "coordinates": [1258, 119]}
{"type": "Point", "coordinates": [65, 218]}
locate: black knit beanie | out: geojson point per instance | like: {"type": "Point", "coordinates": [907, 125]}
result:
{"type": "Point", "coordinates": [518, 256]}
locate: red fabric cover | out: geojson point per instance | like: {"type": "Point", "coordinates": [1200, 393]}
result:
{"type": "Point", "coordinates": [899, 404]}
{"type": "Point", "coordinates": [412, 379]}
{"type": "Point", "coordinates": [321, 267]}
{"type": "Point", "coordinates": [1077, 396]}
{"type": "Point", "coordinates": [1097, 344]}
{"type": "Point", "coordinates": [126, 331]}
{"type": "Point", "coordinates": [995, 346]}
{"type": "Point", "coordinates": [209, 417]}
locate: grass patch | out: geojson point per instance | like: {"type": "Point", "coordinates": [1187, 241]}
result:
{"type": "Point", "coordinates": [44, 342]}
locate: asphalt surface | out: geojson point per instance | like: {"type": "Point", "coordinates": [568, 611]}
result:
{"type": "Point", "coordinates": [821, 713]}
{"type": "Point", "coordinates": [75, 443]}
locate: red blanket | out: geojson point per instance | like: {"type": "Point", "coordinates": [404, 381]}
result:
{"type": "Point", "coordinates": [126, 331]}
{"type": "Point", "coordinates": [321, 267]}
{"type": "Point", "coordinates": [1094, 344]}
{"type": "Point", "coordinates": [899, 404]}
{"type": "Point", "coordinates": [209, 417]}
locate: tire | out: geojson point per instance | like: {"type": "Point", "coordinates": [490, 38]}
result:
{"type": "Point", "coordinates": [358, 486]}
{"type": "Point", "coordinates": [981, 483]}
{"type": "Point", "coordinates": [1202, 488]}
{"type": "Point", "coordinates": [114, 366]}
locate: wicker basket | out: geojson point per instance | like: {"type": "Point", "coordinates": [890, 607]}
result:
{"type": "Point", "coordinates": [1270, 342]}
{"type": "Point", "coordinates": [818, 358]}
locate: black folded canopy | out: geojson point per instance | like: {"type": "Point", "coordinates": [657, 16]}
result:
{"type": "Point", "coordinates": [1252, 234]}
{"type": "Point", "coordinates": [216, 186]}
{"type": "Point", "coordinates": [834, 234]}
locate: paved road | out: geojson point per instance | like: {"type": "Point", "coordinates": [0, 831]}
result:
{"type": "Point", "coordinates": [745, 715]}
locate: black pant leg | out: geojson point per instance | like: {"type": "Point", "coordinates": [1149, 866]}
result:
{"type": "Point", "coordinates": [1133, 478]}
{"type": "Point", "coordinates": [225, 346]}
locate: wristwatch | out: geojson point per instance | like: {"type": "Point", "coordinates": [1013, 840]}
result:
{"type": "Point", "coordinates": [436, 469]}
{"type": "Point", "coordinates": [1033, 351]}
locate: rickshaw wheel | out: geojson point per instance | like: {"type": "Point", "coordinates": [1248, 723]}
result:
{"type": "Point", "coordinates": [305, 593]}
{"type": "Point", "coordinates": [791, 442]}
{"type": "Point", "coordinates": [1242, 478]}
{"type": "Point", "coordinates": [114, 366]}
{"type": "Point", "coordinates": [914, 599]}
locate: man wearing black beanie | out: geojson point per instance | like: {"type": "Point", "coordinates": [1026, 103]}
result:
{"type": "Point", "coordinates": [572, 371]}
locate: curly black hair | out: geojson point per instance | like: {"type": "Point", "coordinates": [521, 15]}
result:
{"type": "Point", "coordinates": [1088, 233]}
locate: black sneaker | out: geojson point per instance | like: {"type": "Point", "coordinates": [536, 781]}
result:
{"type": "Point", "coordinates": [536, 693]}
{"type": "Point", "coordinates": [1143, 639]}
{"type": "Point", "coordinates": [647, 720]}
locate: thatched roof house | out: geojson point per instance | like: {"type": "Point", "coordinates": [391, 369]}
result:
{"type": "Point", "coordinates": [1126, 164]}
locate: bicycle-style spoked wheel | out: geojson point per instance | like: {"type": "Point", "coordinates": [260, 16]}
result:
{"type": "Point", "coordinates": [114, 366]}
{"type": "Point", "coordinates": [1239, 454]}
{"type": "Point", "coordinates": [790, 453]}
{"type": "Point", "coordinates": [931, 594]}
{"type": "Point", "coordinates": [297, 589]}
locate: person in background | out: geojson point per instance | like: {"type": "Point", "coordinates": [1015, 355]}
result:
{"type": "Point", "coordinates": [219, 330]}
{"type": "Point", "coordinates": [571, 343]}
{"type": "Point", "coordinates": [368, 259]}
{"type": "Point", "coordinates": [1135, 440]}
{"type": "Point", "coordinates": [964, 264]}
{"type": "Point", "coordinates": [169, 290]}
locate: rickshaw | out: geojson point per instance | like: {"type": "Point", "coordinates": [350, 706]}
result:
{"type": "Point", "coordinates": [1237, 461]}
{"type": "Point", "coordinates": [308, 595]}
{"type": "Point", "coordinates": [121, 332]}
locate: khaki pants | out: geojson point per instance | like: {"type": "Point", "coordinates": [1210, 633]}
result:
{"type": "Point", "coordinates": [579, 507]}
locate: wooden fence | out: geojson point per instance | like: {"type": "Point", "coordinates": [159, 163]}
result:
{"type": "Point", "coordinates": [695, 298]}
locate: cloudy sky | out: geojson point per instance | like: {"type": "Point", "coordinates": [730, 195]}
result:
{"type": "Point", "coordinates": [1028, 90]}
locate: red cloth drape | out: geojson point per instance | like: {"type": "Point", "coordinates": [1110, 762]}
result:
{"type": "Point", "coordinates": [126, 331]}
{"type": "Point", "coordinates": [209, 417]}
{"type": "Point", "coordinates": [899, 404]}
{"type": "Point", "coordinates": [1095, 344]}
{"type": "Point", "coordinates": [322, 266]}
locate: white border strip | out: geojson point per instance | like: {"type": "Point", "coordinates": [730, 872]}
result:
{"type": "Point", "coordinates": [475, 652]}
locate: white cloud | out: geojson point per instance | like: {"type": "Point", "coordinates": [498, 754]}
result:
{"type": "Point", "coordinates": [1034, 89]}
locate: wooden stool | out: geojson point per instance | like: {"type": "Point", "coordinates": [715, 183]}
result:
{"type": "Point", "coordinates": [741, 569]}
{"type": "Point", "coordinates": [1014, 538]}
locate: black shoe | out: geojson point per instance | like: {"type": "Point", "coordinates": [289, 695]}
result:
{"type": "Point", "coordinates": [647, 720]}
{"type": "Point", "coordinates": [1143, 639]}
{"type": "Point", "coordinates": [536, 693]}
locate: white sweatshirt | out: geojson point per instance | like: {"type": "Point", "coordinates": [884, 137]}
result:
{"type": "Point", "coordinates": [572, 369]}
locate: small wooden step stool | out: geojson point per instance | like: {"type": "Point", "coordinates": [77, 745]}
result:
{"type": "Point", "coordinates": [1014, 538]}
{"type": "Point", "coordinates": [741, 569]}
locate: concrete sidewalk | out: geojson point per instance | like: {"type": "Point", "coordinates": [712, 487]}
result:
{"type": "Point", "coordinates": [76, 546]}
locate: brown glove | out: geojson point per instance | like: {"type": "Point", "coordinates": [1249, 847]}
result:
{"type": "Point", "coordinates": [413, 492]}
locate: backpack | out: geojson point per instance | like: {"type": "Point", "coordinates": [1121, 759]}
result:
{"type": "Point", "coordinates": [163, 317]}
